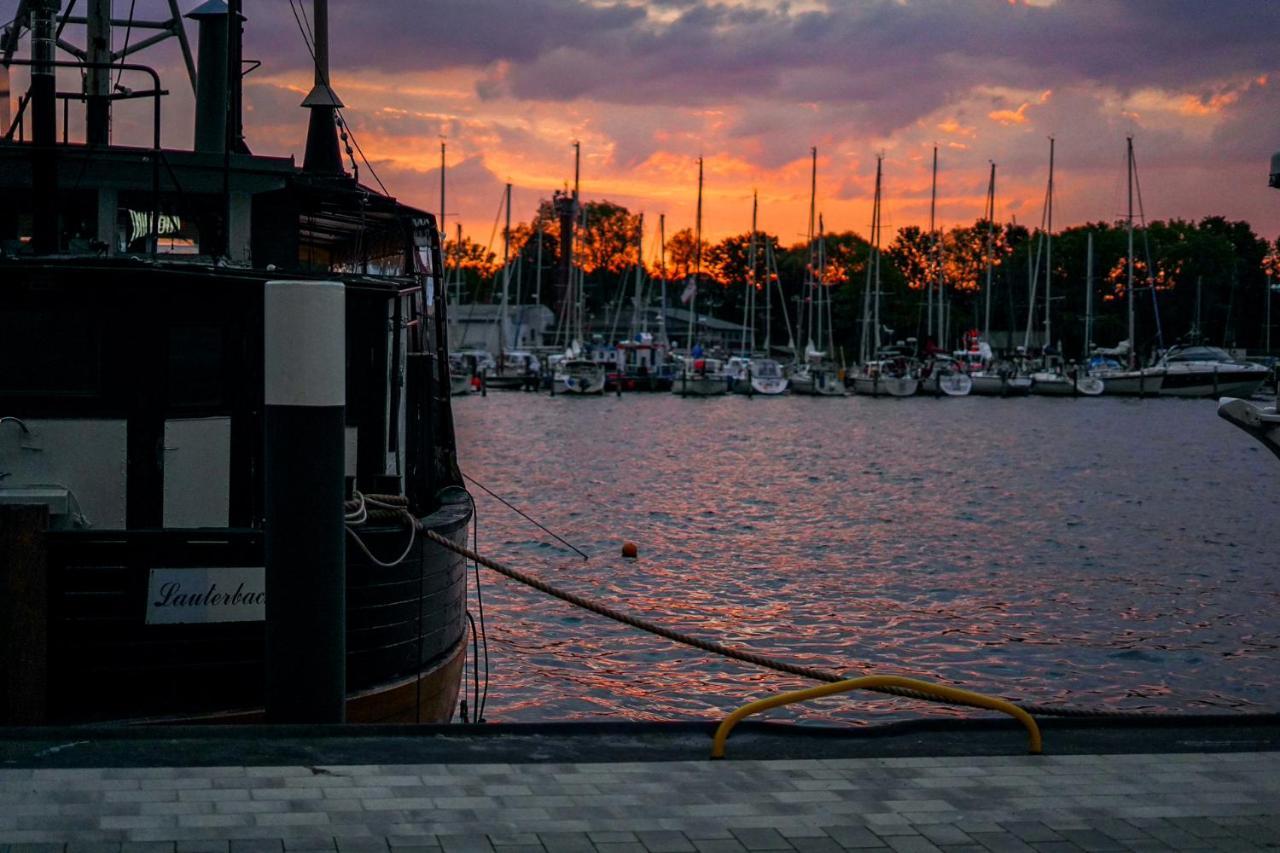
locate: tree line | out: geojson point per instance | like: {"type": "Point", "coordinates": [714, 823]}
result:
{"type": "Point", "coordinates": [1209, 278]}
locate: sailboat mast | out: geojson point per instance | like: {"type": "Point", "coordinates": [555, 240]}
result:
{"type": "Point", "coordinates": [749, 303]}
{"type": "Point", "coordinates": [990, 216]}
{"type": "Point", "coordinates": [537, 276]}
{"type": "Point", "coordinates": [1048, 257]}
{"type": "Point", "coordinates": [1088, 298]}
{"type": "Point", "coordinates": [875, 316]}
{"type": "Point", "coordinates": [440, 224]}
{"type": "Point", "coordinates": [662, 275]}
{"type": "Point", "coordinates": [768, 301]}
{"type": "Point", "coordinates": [697, 262]}
{"type": "Point", "coordinates": [1133, 344]}
{"type": "Point", "coordinates": [809, 286]}
{"type": "Point", "coordinates": [579, 219]}
{"type": "Point", "coordinates": [638, 297]}
{"type": "Point", "coordinates": [928, 285]}
{"type": "Point", "coordinates": [822, 282]}
{"type": "Point", "coordinates": [506, 278]}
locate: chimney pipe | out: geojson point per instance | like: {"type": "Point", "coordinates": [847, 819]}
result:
{"type": "Point", "coordinates": [44, 128]}
{"type": "Point", "coordinates": [212, 100]}
{"type": "Point", "coordinates": [322, 155]}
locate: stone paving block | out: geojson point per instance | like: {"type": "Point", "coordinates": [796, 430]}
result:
{"type": "Point", "coordinates": [854, 837]}
{"type": "Point", "coordinates": [718, 845]}
{"type": "Point", "coordinates": [825, 844]}
{"type": "Point", "coordinates": [945, 833]}
{"type": "Point", "coordinates": [1092, 840]}
{"type": "Point", "coordinates": [1262, 836]}
{"type": "Point", "coordinates": [611, 837]}
{"type": "Point", "coordinates": [360, 844]}
{"type": "Point", "coordinates": [1002, 842]}
{"type": "Point", "coordinates": [93, 847]}
{"type": "Point", "coordinates": [189, 846]}
{"type": "Point", "coordinates": [760, 838]}
{"type": "Point", "coordinates": [621, 847]}
{"type": "Point", "coordinates": [1056, 847]}
{"type": "Point", "coordinates": [163, 847]}
{"type": "Point", "coordinates": [465, 843]}
{"type": "Point", "coordinates": [310, 845]}
{"type": "Point", "coordinates": [520, 848]}
{"type": "Point", "coordinates": [911, 844]}
{"type": "Point", "coordinates": [665, 841]}
{"type": "Point", "coordinates": [257, 845]}
{"type": "Point", "coordinates": [1031, 831]}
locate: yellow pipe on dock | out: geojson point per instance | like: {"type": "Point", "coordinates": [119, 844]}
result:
{"type": "Point", "coordinates": [952, 694]}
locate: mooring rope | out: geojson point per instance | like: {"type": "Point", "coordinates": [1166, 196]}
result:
{"type": "Point", "coordinates": [745, 656]}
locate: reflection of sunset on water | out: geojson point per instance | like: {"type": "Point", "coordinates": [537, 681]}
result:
{"type": "Point", "coordinates": [1052, 560]}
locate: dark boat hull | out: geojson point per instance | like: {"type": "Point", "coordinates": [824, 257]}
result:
{"type": "Point", "coordinates": [406, 628]}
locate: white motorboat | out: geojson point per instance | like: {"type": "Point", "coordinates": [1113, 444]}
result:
{"type": "Point", "coordinates": [1204, 371]}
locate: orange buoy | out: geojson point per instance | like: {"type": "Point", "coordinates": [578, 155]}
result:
{"type": "Point", "coordinates": [630, 550]}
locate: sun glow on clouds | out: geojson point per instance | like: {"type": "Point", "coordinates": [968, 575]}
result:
{"type": "Point", "coordinates": [751, 85]}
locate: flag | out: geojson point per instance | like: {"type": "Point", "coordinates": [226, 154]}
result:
{"type": "Point", "coordinates": [690, 290]}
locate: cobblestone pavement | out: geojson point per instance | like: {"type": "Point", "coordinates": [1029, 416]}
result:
{"type": "Point", "coordinates": [1226, 801]}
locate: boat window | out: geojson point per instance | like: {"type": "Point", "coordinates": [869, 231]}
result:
{"type": "Point", "coordinates": [49, 353]}
{"type": "Point", "coordinates": [1199, 354]}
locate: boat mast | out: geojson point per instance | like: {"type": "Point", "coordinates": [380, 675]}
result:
{"type": "Point", "coordinates": [506, 279]}
{"type": "Point", "coordinates": [928, 285]}
{"type": "Point", "coordinates": [822, 284]}
{"type": "Point", "coordinates": [1048, 258]}
{"type": "Point", "coordinates": [697, 262]}
{"type": "Point", "coordinates": [863, 344]}
{"type": "Point", "coordinates": [662, 272]}
{"type": "Point", "coordinates": [991, 216]}
{"type": "Point", "coordinates": [749, 303]}
{"type": "Point", "coordinates": [809, 286]}
{"type": "Point", "coordinates": [440, 224]}
{"type": "Point", "coordinates": [579, 220]}
{"type": "Point", "coordinates": [1133, 344]}
{"type": "Point", "coordinates": [875, 315]}
{"type": "Point", "coordinates": [1088, 298]}
{"type": "Point", "coordinates": [537, 276]}
{"type": "Point", "coordinates": [638, 297]}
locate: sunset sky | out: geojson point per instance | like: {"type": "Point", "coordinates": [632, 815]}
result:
{"type": "Point", "coordinates": [750, 85]}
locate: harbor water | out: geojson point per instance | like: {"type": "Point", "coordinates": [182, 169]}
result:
{"type": "Point", "coordinates": [1106, 553]}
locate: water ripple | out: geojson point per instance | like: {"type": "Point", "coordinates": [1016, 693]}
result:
{"type": "Point", "coordinates": [1100, 552]}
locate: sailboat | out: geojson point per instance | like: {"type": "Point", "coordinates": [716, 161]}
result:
{"type": "Point", "coordinates": [1053, 379]}
{"type": "Point", "coordinates": [991, 378]}
{"type": "Point", "coordinates": [699, 376]}
{"type": "Point", "coordinates": [1132, 380]}
{"type": "Point", "coordinates": [816, 375]}
{"type": "Point", "coordinates": [941, 375]}
{"type": "Point", "coordinates": [889, 371]}
{"type": "Point", "coordinates": [751, 373]}
{"type": "Point", "coordinates": [574, 373]}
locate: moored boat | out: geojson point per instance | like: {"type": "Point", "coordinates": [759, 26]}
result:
{"type": "Point", "coordinates": [579, 377]}
{"type": "Point", "coordinates": [1205, 371]}
{"type": "Point", "coordinates": [148, 412]}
